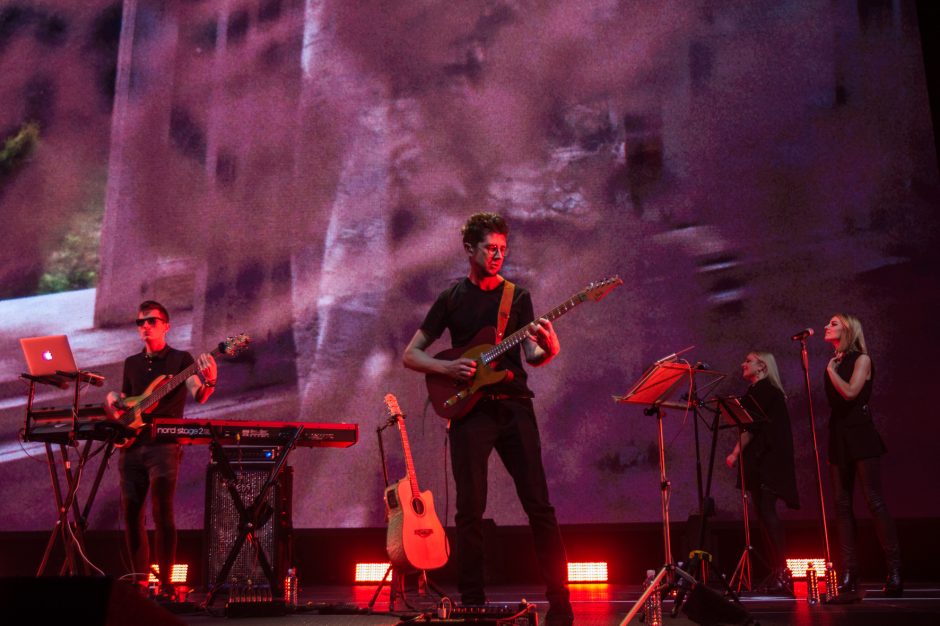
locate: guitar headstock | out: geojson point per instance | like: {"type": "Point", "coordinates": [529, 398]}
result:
{"type": "Point", "coordinates": [234, 345]}
{"type": "Point", "coordinates": [391, 405]}
{"type": "Point", "coordinates": [597, 290]}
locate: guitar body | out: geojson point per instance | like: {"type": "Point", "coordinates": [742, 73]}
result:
{"type": "Point", "coordinates": [452, 398]}
{"type": "Point", "coordinates": [415, 538]}
{"type": "Point", "coordinates": [133, 416]}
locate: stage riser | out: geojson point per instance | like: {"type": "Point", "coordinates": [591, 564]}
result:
{"type": "Point", "coordinates": [328, 556]}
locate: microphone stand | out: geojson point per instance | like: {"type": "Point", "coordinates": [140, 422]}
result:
{"type": "Point", "coordinates": [831, 577]}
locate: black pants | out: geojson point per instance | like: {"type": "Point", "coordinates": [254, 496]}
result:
{"type": "Point", "coordinates": [509, 427]}
{"type": "Point", "coordinates": [150, 468]}
{"type": "Point", "coordinates": [868, 474]}
{"type": "Point", "coordinates": [771, 530]}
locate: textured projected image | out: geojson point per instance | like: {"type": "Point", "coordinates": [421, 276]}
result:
{"type": "Point", "coordinates": [298, 170]}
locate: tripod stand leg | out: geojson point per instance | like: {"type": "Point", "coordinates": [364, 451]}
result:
{"type": "Point", "coordinates": [378, 589]}
{"type": "Point", "coordinates": [742, 572]}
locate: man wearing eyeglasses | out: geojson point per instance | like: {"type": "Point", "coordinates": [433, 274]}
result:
{"type": "Point", "coordinates": [149, 466]}
{"type": "Point", "coordinates": [503, 419]}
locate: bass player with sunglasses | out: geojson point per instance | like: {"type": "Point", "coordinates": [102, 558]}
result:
{"type": "Point", "coordinates": [145, 465]}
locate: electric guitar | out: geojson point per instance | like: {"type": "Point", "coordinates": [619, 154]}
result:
{"type": "Point", "coordinates": [129, 411]}
{"type": "Point", "coordinates": [452, 398]}
{"type": "Point", "coordinates": [415, 538]}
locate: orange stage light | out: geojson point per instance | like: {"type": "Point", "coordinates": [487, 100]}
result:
{"type": "Point", "coordinates": [177, 575]}
{"type": "Point", "coordinates": [799, 567]}
{"type": "Point", "coordinates": [587, 572]}
{"type": "Point", "coordinates": [370, 572]}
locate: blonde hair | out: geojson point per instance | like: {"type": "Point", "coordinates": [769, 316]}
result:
{"type": "Point", "coordinates": [771, 364]}
{"type": "Point", "coordinates": [853, 338]}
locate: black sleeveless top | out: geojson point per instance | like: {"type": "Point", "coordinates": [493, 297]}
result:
{"type": "Point", "coordinates": [852, 434]}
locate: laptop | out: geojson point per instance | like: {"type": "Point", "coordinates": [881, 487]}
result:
{"type": "Point", "coordinates": [47, 355]}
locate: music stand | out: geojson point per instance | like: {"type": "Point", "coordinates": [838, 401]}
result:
{"type": "Point", "coordinates": [699, 559]}
{"type": "Point", "coordinates": [653, 389]}
{"type": "Point", "coordinates": [735, 415]}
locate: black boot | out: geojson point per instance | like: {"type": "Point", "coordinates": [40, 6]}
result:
{"type": "Point", "coordinates": [849, 584]}
{"type": "Point", "coordinates": [894, 587]}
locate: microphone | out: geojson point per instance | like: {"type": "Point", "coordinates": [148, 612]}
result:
{"type": "Point", "coordinates": [803, 334]}
{"type": "Point", "coordinates": [701, 365]}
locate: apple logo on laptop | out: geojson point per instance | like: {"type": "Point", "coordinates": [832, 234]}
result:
{"type": "Point", "coordinates": [47, 355]}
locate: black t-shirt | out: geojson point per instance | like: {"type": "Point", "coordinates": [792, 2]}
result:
{"type": "Point", "coordinates": [141, 369]}
{"type": "Point", "coordinates": [464, 309]}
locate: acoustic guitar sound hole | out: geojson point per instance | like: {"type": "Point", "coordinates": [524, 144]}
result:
{"type": "Point", "coordinates": [418, 506]}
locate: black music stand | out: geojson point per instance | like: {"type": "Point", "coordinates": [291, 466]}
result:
{"type": "Point", "coordinates": [735, 415]}
{"type": "Point", "coordinates": [654, 389]}
{"type": "Point", "coordinates": [700, 560]}
{"type": "Point", "coordinates": [252, 517]}
{"type": "Point", "coordinates": [72, 518]}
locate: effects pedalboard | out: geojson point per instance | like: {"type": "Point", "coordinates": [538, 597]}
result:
{"type": "Point", "coordinates": [522, 614]}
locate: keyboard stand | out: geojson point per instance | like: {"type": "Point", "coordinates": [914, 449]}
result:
{"type": "Point", "coordinates": [72, 519]}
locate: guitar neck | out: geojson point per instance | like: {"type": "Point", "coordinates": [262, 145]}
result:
{"type": "Point", "coordinates": [163, 390]}
{"type": "Point", "coordinates": [409, 462]}
{"type": "Point", "coordinates": [517, 337]}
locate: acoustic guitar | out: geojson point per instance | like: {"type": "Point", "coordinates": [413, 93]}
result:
{"type": "Point", "coordinates": [452, 398]}
{"type": "Point", "coordinates": [415, 538]}
{"type": "Point", "coordinates": [129, 411]}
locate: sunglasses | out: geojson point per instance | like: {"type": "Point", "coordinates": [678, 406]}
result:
{"type": "Point", "coordinates": [152, 321]}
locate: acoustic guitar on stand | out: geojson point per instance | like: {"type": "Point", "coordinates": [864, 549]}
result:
{"type": "Point", "coordinates": [452, 398]}
{"type": "Point", "coordinates": [415, 538]}
{"type": "Point", "coordinates": [129, 412]}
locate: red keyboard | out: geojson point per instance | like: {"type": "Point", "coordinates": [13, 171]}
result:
{"type": "Point", "coordinates": [270, 433]}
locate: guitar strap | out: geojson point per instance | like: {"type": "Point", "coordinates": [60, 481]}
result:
{"type": "Point", "coordinates": [505, 304]}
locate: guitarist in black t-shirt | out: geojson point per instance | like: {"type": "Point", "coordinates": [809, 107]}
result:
{"type": "Point", "coordinates": [502, 419]}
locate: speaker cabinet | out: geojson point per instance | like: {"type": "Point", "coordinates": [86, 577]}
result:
{"type": "Point", "coordinates": [223, 523]}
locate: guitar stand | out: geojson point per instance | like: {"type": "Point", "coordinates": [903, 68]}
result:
{"type": "Point", "coordinates": [252, 517]}
{"type": "Point", "coordinates": [396, 586]}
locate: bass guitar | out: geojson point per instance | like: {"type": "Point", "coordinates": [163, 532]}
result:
{"type": "Point", "coordinates": [452, 398]}
{"type": "Point", "coordinates": [129, 412]}
{"type": "Point", "coordinates": [415, 538]}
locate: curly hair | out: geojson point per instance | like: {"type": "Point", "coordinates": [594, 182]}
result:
{"type": "Point", "coordinates": [479, 224]}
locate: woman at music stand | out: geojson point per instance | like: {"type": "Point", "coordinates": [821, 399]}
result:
{"type": "Point", "coordinates": [767, 459]}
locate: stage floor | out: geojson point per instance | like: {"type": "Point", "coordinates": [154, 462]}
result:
{"type": "Point", "coordinates": [598, 605]}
